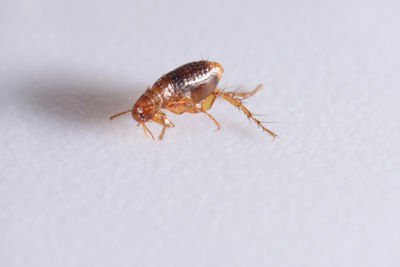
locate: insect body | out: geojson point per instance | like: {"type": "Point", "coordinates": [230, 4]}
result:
{"type": "Point", "coordinates": [190, 88]}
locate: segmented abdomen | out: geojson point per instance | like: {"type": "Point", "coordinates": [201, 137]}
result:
{"type": "Point", "coordinates": [195, 80]}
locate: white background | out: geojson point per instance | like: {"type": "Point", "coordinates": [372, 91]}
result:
{"type": "Point", "coordinates": [76, 190]}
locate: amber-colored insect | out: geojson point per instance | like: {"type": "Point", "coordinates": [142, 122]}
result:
{"type": "Point", "coordinates": [190, 88]}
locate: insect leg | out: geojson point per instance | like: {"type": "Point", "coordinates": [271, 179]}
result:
{"type": "Point", "coordinates": [162, 119]}
{"type": "Point", "coordinates": [146, 130]}
{"type": "Point", "coordinates": [187, 105]}
{"type": "Point", "coordinates": [238, 103]}
{"type": "Point", "coordinates": [207, 103]}
{"type": "Point", "coordinates": [160, 136]}
{"type": "Point", "coordinates": [182, 106]}
{"type": "Point", "coordinates": [211, 117]}
{"type": "Point", "coordinates": [245, 94]}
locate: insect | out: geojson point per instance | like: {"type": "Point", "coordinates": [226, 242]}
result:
{"type": "Point", "coordinates": [190, 88]}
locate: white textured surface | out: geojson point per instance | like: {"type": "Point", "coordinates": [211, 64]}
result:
{"type": "Point", "coordinates": [76, 190]}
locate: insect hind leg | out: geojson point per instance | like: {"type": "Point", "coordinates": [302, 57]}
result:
{"type": "Point", "coordinates": [244, 95]}
{"type": "Point", "coordinates": [232, 98]}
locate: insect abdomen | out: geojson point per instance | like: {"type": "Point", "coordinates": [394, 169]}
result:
{"type": "Point", "coordinates": [195, 80]}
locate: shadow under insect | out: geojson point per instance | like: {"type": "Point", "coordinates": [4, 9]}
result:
{"type": "Point", "coordinates": [80, 101]}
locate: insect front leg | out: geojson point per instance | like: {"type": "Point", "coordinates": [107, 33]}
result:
{"type": "Point", "coordinates": [146, 130]}
{"type": "Point", "coordinates": [162, 119]}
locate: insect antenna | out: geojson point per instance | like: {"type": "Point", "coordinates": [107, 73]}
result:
{"type": "Point", "coordinates": [119, 114]}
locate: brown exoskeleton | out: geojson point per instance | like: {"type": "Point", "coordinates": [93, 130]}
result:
{"type": "Point", "coordinates": [190, 88]}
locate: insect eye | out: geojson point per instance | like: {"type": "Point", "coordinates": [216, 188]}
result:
{"type": "Point", "coordinates": [141, 115]}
